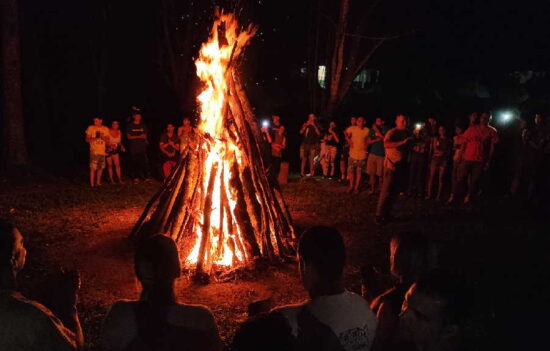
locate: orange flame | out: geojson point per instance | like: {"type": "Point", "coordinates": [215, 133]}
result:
{"type": "Point", "coordinates": [225, 42]}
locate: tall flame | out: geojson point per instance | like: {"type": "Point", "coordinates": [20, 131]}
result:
{"type": "Point", "coordinates": [225, 244]}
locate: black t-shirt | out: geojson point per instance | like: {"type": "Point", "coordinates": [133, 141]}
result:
{"type": "Point", "coordinates": [311, 136]}
{"type": "Point", "coordinates": [329, 139]}
{"type": "Point", "coordinates": [137, 145]}
{"type": "Point", "coordinates": [164, 138]}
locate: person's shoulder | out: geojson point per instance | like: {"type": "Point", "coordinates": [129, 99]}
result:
{"type": "Point", "coordinates": [121, 307]}
{"type": "Point", "coordinates": [40, 317]}
{"type": "Point", "coordinates": [355, 298]}
{"type": "Point", "coordinates": [289, 311]}
{"type": "Point", "coordinates": [200, 315]}
{"type": "Point", "coordinates": [26, 306]}
{"type": "Point", "coordinates": [358, 304]}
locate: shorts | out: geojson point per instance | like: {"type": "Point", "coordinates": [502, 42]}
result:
{"type": "Point", "coordinates": [375, 165]}
{"type": "Point", "coordinates": [356, 165]}
{"type": "Point", "coordinates": [439, 162]}
{"type": "Point", "coordinates": [309, 150]}
{"type": "Point", "coordinates": [97, 162]}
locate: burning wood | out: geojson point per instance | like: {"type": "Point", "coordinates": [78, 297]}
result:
{"type": "Point", "coordinates": [218, 204]}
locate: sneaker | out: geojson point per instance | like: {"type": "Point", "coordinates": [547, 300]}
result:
{"type": "Point", "coordinates": [451, 199]}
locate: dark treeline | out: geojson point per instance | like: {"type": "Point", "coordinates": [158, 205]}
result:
{"type": "Point", "coordinates": [80, 59]}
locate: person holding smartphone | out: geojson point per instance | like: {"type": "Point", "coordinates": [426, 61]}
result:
{"type": "Point", "coordinates": [310, 145]}
{"type": "Point", "coordinates": [97, 135]}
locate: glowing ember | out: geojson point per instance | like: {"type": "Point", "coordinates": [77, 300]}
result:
{"type": "Point", "coordinates": [212, 64]}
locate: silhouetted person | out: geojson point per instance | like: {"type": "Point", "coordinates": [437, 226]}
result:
{"type": "Point", "coordinates": [25, 324]}
{"type": "Point", "coordinates": [441, 148]}
{"type": "Point", "coordinates": [266, 332]}
{"type": "Point", "coordinates": [97, 135]}
{"type": "Point", "coordinates": [333, 318]}
{"type": "Point", "coordinates": [344, 154]}
{"type": "Point", "coordinates": [310, 145]}
{"type": "Point", "coordinates": [136, 132]}
{"type": "Point", "coordinates": [418, 159]}
{"type": "Point", "coordinates": [434, 313]}
{"type": "Point", "coordinates": [169, 145]}
{"type": "Point", "coordinates": [375, 159]}
{"type": "Point", "coordinates": [157, 321]}
{"type": "Point", "coordinates": [396, 147]}
{"type": "Point", "coordinates": [411, 255]}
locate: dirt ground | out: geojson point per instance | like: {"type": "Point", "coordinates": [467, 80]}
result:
{"type": "Point", "coordinates": [68, 224]}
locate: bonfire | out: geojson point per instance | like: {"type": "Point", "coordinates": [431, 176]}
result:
{"type": "Point", "coordinates": [218, 204]}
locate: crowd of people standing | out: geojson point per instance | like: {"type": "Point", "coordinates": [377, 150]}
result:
{"type": "Point", "coordinates": [106, 144]}
{"type": "Point", "coordinates": [425, 160]}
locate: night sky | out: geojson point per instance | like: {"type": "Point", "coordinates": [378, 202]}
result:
{"type": "Point", "coordinates": [443, 46]}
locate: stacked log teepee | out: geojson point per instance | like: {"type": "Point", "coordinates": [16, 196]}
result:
{"type": "Point", "coordinates": [218, 204]}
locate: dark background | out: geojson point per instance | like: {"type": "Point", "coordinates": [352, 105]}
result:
{"type": "Point", "coordinates": [451, 57]}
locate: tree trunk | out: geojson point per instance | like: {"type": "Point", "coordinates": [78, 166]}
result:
{"type": "Point", "coordinates": [15, 150]}
{"type": "Point", "coordinates": [337, 62]}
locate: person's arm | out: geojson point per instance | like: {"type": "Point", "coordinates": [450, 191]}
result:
{"type": "Point", "coordinates": [303, 129]}
{"type": "Point", "coordinates": [387, 324]}
{"type": "Point", "coordinates": [62, 302]}
{"type": "Point", "coordinates": [316, 129]}
{"type": "Point", "coordinates": [394, 144]}
{"type": "Point", "coordinates": [267, 135]}
{"type": "Point", "coordinates": [130, 136]}
{"type": "Point", "coordinates": [88, 135]}
{"type": "Point", "coordinates": [335, 135]}
{"type": "Point", "coordinates": [374, 138]}
{"type": "Point", "coordinates": [494, 141]}
{"type": "Point", "coordinates": [283, 144]}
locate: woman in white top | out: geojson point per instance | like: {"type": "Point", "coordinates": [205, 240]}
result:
{"type": "Point", "coordinates": [157, 322]}
{"type": "Point", "coordinates": [114, 147]}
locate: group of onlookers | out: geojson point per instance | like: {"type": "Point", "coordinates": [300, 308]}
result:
{"type": "Point", "coordinates": [414, 161]}
{"type": "Point", "coordinates": [106, 146]}
{"type": "Point", "coordinates": [424, 308]}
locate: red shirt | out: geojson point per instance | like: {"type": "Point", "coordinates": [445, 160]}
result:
{"type": "Point", "coordinates": [478, 140]}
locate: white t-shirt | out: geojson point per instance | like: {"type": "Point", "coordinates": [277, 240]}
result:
{"type": "Point", "coordinates": [120, 328]}
{"type": "Point", "coordinates": [347, 314]}
{"type": "Point", "coordinates": [358, 147]}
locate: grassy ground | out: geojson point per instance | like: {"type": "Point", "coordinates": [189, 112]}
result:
{"type": "Point", "coordinates": [67, 223]}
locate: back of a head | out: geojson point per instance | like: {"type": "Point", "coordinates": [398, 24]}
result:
{"type": "Point", "coordinates": [268, 332]}
{"type": "Point", "coordinates": [411, 256]}
{"type": "Point", "coordinates": [157, 259]}
{"type": "Point", "coordinates": [7, 243]}
{"type": "Point", "coordinates": [323, 248]}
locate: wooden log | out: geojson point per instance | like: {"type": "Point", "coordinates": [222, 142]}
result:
{"type": "Point", "coordinates": [206, 218]}
{"type": "Point", "coordinates": [242, 216]}
{"type": "Point", "coordinates": [163, 189]}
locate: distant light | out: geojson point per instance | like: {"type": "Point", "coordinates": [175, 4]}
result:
{"type": "Point", "coordinates": [507, 116]}
{"type": "Point", "coordinates": [418, 126]}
